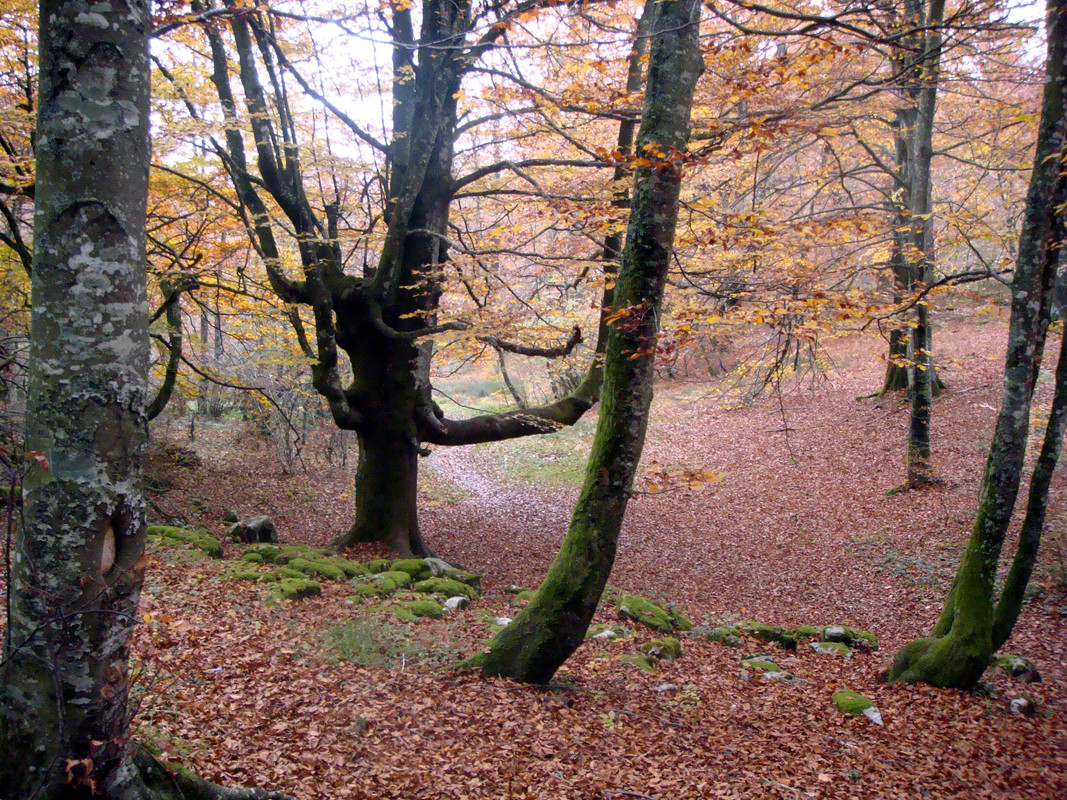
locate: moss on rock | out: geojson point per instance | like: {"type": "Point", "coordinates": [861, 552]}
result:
{"type": "Point", "coordinates": [850, 702]}
{"type": "Point", "coordinates": [417, 568]}
{"type": "Point", "coordinates": [446, 587]}
{"type": "Point", "coordinates": [177, 537]}
{"type": "Point", "coordinates": [806, 632]}
{"type": "Point", "coordinates": [831, 648]}
{"type": "Point", "coordinates": [297, 588]}
{"type": "Point", "coordinates": [666, 649]}
{"type": "Point", "coordinates": [771, 633]}
{"type": "Point", "coordinates": [729, 636]}
{"type": "Point", "coordinates": [641, 661]}
{"type": "Point", "coordinates": [268, 553]}
{"type": "Point", "coordinates": [317, 567]}
{"type": "Point", "coordinates": [761, 662]}
{"type": "Point", "coordinates": [641, 609]}
{"type": "Point", "coordinates": [378, 565]}
{"type": "Point", "coordinates": [424, 608]}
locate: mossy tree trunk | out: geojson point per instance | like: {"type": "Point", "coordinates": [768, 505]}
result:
{"type": "Point", "coordinates": [971, 626]}
{"type": "Point", "coordinates": [77, 569]}
{"type": "Point", "coordinates": [545, 633]}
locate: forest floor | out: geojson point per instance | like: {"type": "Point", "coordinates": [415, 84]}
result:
{"type": "Point", "coordinates": [316, 698]}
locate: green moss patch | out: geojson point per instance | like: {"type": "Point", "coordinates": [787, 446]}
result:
{"type": "Point", "coordinates": [318, 568]}
{"type": "Point", "coordinates": [850, 702]}
{"type": "Point", "coordinates": [416, 568]}
{"type": "Point", "coordinates": [853, 637]}
{"type": "Point", "coordinates": [771, 633]}
{"type": "Point", "coordinates": [761, 662]}
{"type": "Point", "coordinates": [641, 609]}
{"type": "Point", "coordinates": [639, 660]}
{"type": "Point", "coordinates": [177, 537]}
{"type": "Point", "coordinates": [727, 635]}
{"type": "Point", "coordinates": [446, 587]}
{"type": "Point", "coordinates": [296, 588]}
{"type": "Point", "coordinates": [666, 649]}
{"type": "Point", "coordinates": [831, 648]}
{"type": "Point", "coordinates": [424, 608]}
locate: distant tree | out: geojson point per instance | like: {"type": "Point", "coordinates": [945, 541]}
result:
{"type": "Point", "coordinates": [974, 621]}
{"type": "Point", "coordinates": [545, 633]}
{"type": "Point", "coordinates": [77, 566]}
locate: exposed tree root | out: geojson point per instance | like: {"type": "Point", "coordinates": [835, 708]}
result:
{"type": "Point", "coordinates": [143, 777]}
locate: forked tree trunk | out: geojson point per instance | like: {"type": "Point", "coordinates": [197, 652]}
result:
{"type": "Point", "coordinates": [545, 633]}
{"type": "Point", "coordinates": [971, 626]}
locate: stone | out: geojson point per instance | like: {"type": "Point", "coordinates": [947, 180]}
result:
{"type": "Point", "coordinates": [665, 649]}
{"type": "Point", "coordinates": [424, 608]}
{"type": "Point", "coordinates": [447, 587]}
{"type": "Point", "coordinates": [254, 529]}
{"type": "Point", "coordinates": [318, 568]}
{"type": "Point", "coordinates": [457, 603]}
{"type": "Point", "coordinates": [417, 568]}
{"type": "Point", "coordinates": [230, 516]}
{"type": "Point", "coordinates": [1022, 706]}
{"type": "Point", "coordinates": [1019, 667]}
{"type": "Point", "coordinates": [666, 687]}
{"type": "Point", "coordinates": [729, 636]}
{"type": "Point", "coordinates": [759, 661]}
{"type": "Point", "coordinates": [831, 648]}
{"type": "Point", "coordinates": [297, 589]}
{"type": "Point", "coordinates": [641, 609]}
{"type": "Point", "coordinates": [501, 622]}
{"type": "Point", "coordinates": [770, 633]}
{"type": "Point", "coordinates": [782, 677]}
{"type": "Point", "coordinates": [854, 703]}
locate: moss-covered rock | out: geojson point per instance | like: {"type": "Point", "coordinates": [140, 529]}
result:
{"type": "Point", "coordinates": [770, 633]}
{"type": "Point", "coordinates": [602, 631]}
{"type": "Point", "coordinates": [177, 537]}
{"type": "Point", "coordinates": [806, 632]}
{"type": "Point", "coordinates": [297, 588]}
{"type": "Point", "coordinates": [831, 648]}
{"type": "Point", "coordinates": [267, 552]}
{"type": "Point", "coordinates": [641, 609]}
{"type": "Point", "coordinates": [399, 579]}
{"type": "Point", "coordinates": [1018, 667]}
{"type": "Point", "coordinates": [417, 568]}
{"type": "Point", "coordinates": [639, 660]}
{"type": "Point", "coordinates": [317, 567]}
{"type": "Point", "coordinates": [424, 608]}
{"type": "Point", "coordinates": [727, 635]}
{"type": "Point", "coordinates": [252, 558]}
{"type": "Point", "coordinates": [850, 702]}
{"type": "Point", "coordinates": [378, 565]}
{"type": "Point", "coordinates": [286, 572]}
{"type": "Point", "coordinates": [666, 649]}
{"type": "Point", "coordinates": [364, 590]}
{"type": "Point", "coordinates": [761, 662]}
{"type": "Point", "coordinates": [852, 637]}
{"type": "Point", "coordinates": [245, 575]}
{"type": "Point", "coordinates": [351, 569]}
{"type": "Point", "coordinates": [446, 587]}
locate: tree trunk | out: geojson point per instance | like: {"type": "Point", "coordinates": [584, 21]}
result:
{"type": "Point", "coordinates": [77, 572]}
{"type": "Point", "coordinates": [386, 495]}
{"type": "Point", "coordinates": [959, 648]}
{"type": "Point", "coordinates": [551, 627]}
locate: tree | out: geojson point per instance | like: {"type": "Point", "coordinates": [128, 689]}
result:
{"type": "Point", "coordinates": [77, 568]}
{"type": "Point", "coordinates": [545, 633]}
{"type": "Point", "coordinates": [974, 622]}
{"type": "Point", "coordinates": [370, 343]}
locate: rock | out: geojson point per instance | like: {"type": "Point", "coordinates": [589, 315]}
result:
{"type": "Point", "coordinates": [417, 568]}
{"type": "Point", "coordinates": [457, 603]}
{"type": "Point", "coordinates": [831, 648]}
{"type": "Point", "coordinates": [729, 636]}
{"type": "Point", "coordinates": [318, 568]}
{"type": "Point", "coordinates": [178, 537]}
{"type": "Point", "coordinates": [1022, 706]}
{"type": "Point", "coordinates": [759, 661]}
{"type": "Point", "coordinates": [230, 516]}
{"type": "Point", "coordinates": [854, 703]}
{"type": "Point", "coordinates": [378, 565]}
{"type": "Point", "coordinates": [501, 622]}
{"type": "Point", "coordinates": [641, 609]}
{"type": "Point", "coordinates": [1019, 667]}
{"type": "Point", "coordinates": [297, 588]}
{"type": "Point", "coordinates": [665, 649]}
{"type": "Point", "coordinates": [852, 637]}
{"type": "Point", "coordinates": [424, 608]}
{"type": "Point", "coordinates": [642, 662]}
{"type": "Point", "coordinates": [447, 587]}
{"type": "Point", "coordinates": [806, 632]}
{"type": "Point", "coordinates": [783, 677]}
{"type": "Point", "coordinates": [666, 687]}
{"type": "Point", "coordinates": [771, 633]}
{"type": "Point", "coordinates": [268, 553]}
{"type": "Point", "coordinates": [255, 529]}
{"type": "Point", "coordinates": [252, 558]}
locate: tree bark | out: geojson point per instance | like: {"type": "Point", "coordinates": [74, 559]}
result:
{"type": "Point", "coordinates": [78, 569]}
{"type": "Point", "coordinates": [959, 648]}
{"type": "Point", "coordinates": [545, 633]}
